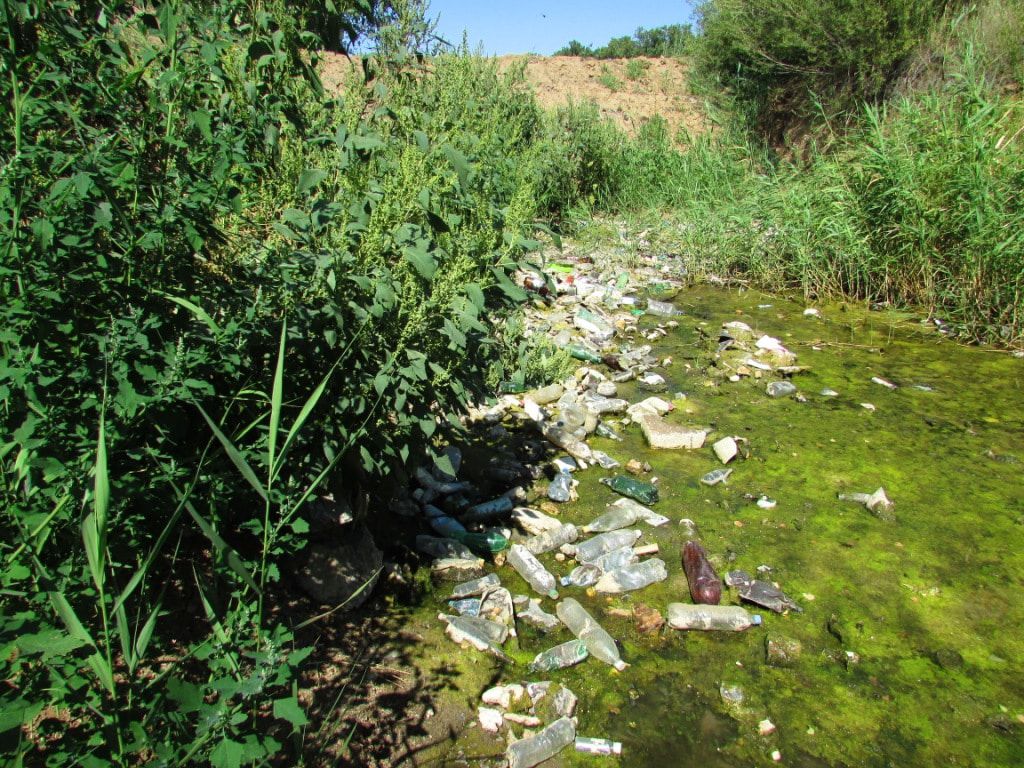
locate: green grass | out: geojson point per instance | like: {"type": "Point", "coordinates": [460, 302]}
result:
{"type": "Point", "coordinates": [608, 79]}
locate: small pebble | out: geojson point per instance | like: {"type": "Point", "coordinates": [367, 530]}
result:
{"type": "Point", "coordinates": [777, 756]}
{"type": "Point", "coordinates": [765, 727]}
{"type": "Point", "coordinates": [867, 406]}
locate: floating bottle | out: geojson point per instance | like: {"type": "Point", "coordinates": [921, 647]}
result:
{"type": "Point", "coordinates": [561, 656]}
{"type": "Point", "coordinates": [582, 624]}
{"type": "Point", "coordinates": [532, 570]}
{"type": "Point", "coordinates": [622, 514]}
{"type": "Point", "coordinates": [661, 308]}
{"type": "Point", "coordinates": [705, 586]}
{"type": "Point", "coordinates": [550, 540]}
{"type": "Point", "coordinates": [710, 617]}
{"type": "Point", "coordinates": [644, 492]}
{"type": "Point", "coordinates": [591, 549]}
{"type": "Point", "coordinates": [547, 743]}
{"type": "Point", "coordinates": [490, 631]}
{"type": "Point", "coordinates": [631, 577]}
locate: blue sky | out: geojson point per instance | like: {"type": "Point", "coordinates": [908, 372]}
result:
{"type": "Point", "coordinates": [544, 26]}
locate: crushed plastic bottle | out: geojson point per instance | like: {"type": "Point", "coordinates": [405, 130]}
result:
{"type": "Point", "coordinates": [475, 587]}
{"type": "Point", "coordinates": [582, 576]}
{"type": "Point", "coordinates": [532, 570]}
{"type": "Point", "coordinates": [661, 308]}
{"type": "Point", "coordinates": [561, 656]}
{"type": "Point", "coordinates": [705, 586]}
{"type": "Point", "coordinates": [467, 606]}
{"type": "Point", "coordinates": [560, 489]}
{"type": "Point", "coordinates": [632, 577]}
{"type": "Point", "coordinates": [644, 492]}
{"type": "Point", "coordinates": [710, 617]}
{"type": "Point", "coordinates": [534, 614]}
{"type": "Point", "coordinates": [551, 540]}
{"type": "Point", "coordinates": [615, 559]}
{"type": "Point", "coordinates": [582, 624]}
{"type": "Point", "coordinates": [568, 442]}
{"type": "Point", "coordinates": [591, 549]}
{"type": "Point", "coordinates": [622, 514]}
{"type": "Point", "coordinates": [547, 743]}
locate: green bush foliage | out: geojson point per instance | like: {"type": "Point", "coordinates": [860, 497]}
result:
{"type": "Point", "coordinates": [223, 292]}
{"type": "Point", "coordinates": [669, 40]}
{"type": "Point", "coordinates": [784, 63]}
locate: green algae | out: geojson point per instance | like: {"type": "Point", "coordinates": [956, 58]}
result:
{"type": "Point", "coordinates": [910, 629]}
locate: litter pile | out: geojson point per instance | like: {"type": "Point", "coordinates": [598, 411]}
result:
{"type": "Point", "coordinates": [473, 540]}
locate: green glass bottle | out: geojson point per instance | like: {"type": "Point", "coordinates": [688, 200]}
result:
{"type": "Point", "coordinates": [645, 493]}
{"type": "Point", "coordinates": [582, 353]}
{"type": "Point", "coordinates": [484, 543]}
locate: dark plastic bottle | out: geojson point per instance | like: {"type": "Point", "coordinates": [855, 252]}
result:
{"type": "Point", "coordinates": [705, 586]}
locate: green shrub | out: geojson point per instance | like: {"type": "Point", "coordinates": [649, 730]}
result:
{"type": "Point", "coordinates": [637, 68]}
{"type": "Point", "coordinates": [608, 79]}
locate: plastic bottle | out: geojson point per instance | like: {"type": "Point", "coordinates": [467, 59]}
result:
{"type": "Point", "coordinates": [483, 542]}
{"type": "Point", "coordinates": [489, 509]}
{"type": "Point", "coordinates": [531, 569]}
{"type": "Point", "coordinates": [705, 586]}
{"type": "Point", "coordinates": [547, 743]}
{"type": "Point", "coordinates": [582, 576]}
{"type": "Point", "coordinates": [490, 631]}
{"type": "Point", "coordinates": [572, 416]}
{"type": "Point", "coordinates": [446, 526]}
{"type": "Point", "coordinates": [603, 430]}
{"type": "Point", "coordinates": [582, 624]}
{"type": "Point", "coordinates": [598, 746]}
{"type": "Point", "coordinates": [475, 587]}
{"type": "Point", "coordinates": [582, 353]}
{"type": "Point", "coordinates": [560, 657]}
{"type": "Point", "coordinates": [560, 489]}
{"type": "Point", "coordinates": [710, 617]}
{"type": "Point", "coordinates": [591, 549]}
{"type": "Point", "coordinates": [661, 308]}
{"type": "Point", "coordinates": [447, 547]}
{"type": "Point", "coordinates": [612, 520]}
{"type": "Point", "coordinates": [568, 442]}
{"type": "Point", "coordinates": [549, 540]}
{"type": "Point", "coordinates": [615, 559]}
{"type": "Point", "coordinates": [646, 493]}
{"type": "Point", "coordinates": [467, 606]}
{"type": "Point", "coordinates": [631, 577]}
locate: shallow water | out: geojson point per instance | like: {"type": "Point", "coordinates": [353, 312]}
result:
{"type": "Point", "coordinates": [930, 603]}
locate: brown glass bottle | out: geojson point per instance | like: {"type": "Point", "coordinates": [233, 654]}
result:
{"type": "Point", "coordinates": [705, 586]}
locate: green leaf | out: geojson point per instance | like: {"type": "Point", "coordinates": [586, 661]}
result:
{"type": "Point", "coordinates": [289, 709]}
{"type": "Point", "coordinates": [50, 643]}
{"type": "Point", "coordinates": [476, 295]}
{"type": "Point", "coordinates": [227, 754]}
{"type": "Point", "coordinates": [276, 397]}
{"type": "Point", "coordinates": [459, 162]}
{"type": "Point", "coordinates": [309, 179]}
{"type": "Point", "coordinates": [196, 310]}
{"type": "Point", "coordinates": [236, 458]}
{"type": "Point", "coordinates": [421, 260]}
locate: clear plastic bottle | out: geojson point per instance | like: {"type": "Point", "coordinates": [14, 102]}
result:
{"type": "Point", "coordinates": [710, 617]}
{"type": "Point", "coordinates": [612, 520]}
{"type": "Point", "coordinates": [560, 657]}
{"type": "Point", "coordinates": [582, 576]}
{"type": "Point", "coordinates": [532, 570]}
{"type": "Point", "coordinates": [598, 746]}
{"type": "Point", "coordinates": [560, 489]}
{"type": "Point", "coordinates": [568, 442]}
{"type": "Point", "coordinates": [547, 743]}
{"type": "Point", "coordinates": [631, 577]}
{"type": "Point", "coordinates": [661, 308]}
{"type": "Point", "coordinates": [550, 540]}
{"type": "Point", "coordinates": [582, 624]}
{"type": "Point", "coordinates": [485, 629]}
{"type": "Point", "coordinates": [593, 548]}
{"type": "Point", "coordinates": [475, 587]}
{"type": "Point", "coordinates": [615, 559]}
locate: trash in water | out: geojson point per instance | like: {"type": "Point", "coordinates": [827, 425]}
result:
{"type": "Point", "coordinates": [560, 489]}
{"type": "Point", "coordinates": [496, 606]}
{"type": "Point", "coordinates": [826, 392]}
{"type": "Point", "coordinates": [534, 521]}
{"type": "Point", "coordinates": [716, 476]}
{"type": "Point", "coordinates": [765, 727]}
{"type": "Point", "coordinates": [781, 388]}
{"type": "Point", "coordinates": [710, 617]}
{"type": "Point", "coordinates": [705, 586]}
{"type": "Point", "coordinates": [463, 630]}
{"type": "Point", "coordinates": [731, 694]}
{"type": "Point", "coordinates": [632, 577]}
{"type": "Point", "coordinates": [531, 569]}
{"type": "Point", "coordinates": [467, 606]}
{"type": "Point", "coordinates": [456, 569]}
{"type": "Point", "coordinates": [877, 502]}
{"type": "Point", "coordinates": [443, 547]}
{"type": "Point", "coordinates": [604, 460]}
{"type": "Point", "coordinates": [767, 595]}
{"type": "Point", "coordinates": [542, 746]}
{"type": "Point", "coordinates": [603, 430]}
{"type": "Point", "coordinates": [534, 614]}
{"type": "Point", "coordinates": [598, 746]}
{"type": "Point", "coordinates": [652, 382]}
{"type": "Point", "coordinates": [489, 509]}
{"type": "Point", "coordinates": [642, 491]}
{"type": "Point", "coordinates": [591, 549]}
{"type": "Point", "coordinates": [725, 449]}
{"type": "Point", "coordinates": [883, 382]}
{"type": "Point", "coordinates": [552, 540]}
{"type": "Point", "coordinates": [622, 514]}
{"type": "Point", "coordinates": [475, 587]}
{"type": "Point", "coordinates": [565, 464]}
{"type": "Point", "coordinates": [559, 657]}
{"type": "Point", "coordinates": [598, 642]}
{"type": "Point", "coordinates": [661, 308]}
{"type": "Point", "coordinates": [765, 503]}
{"type": "Point", "coordinates": [738, 578]}
{"type": "Point", "coordinates": [585, 575]}
{"type": "Point", "coordinates": [689, 528]}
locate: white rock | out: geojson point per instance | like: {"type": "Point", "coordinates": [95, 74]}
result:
{"type": "Point", "coordinates": [652, 406]}
{"type": "Point", "coordinates": [490, 719]}
{"type": "Point", "coordinates": [660, 434]}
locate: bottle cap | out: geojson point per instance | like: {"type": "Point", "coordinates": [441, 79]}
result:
{"type": "Point", "coordinates": [553, 594]}
{"type": "Point", "coordinates": [756, 620]}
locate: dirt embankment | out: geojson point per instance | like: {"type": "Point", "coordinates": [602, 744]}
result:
{"type": "Point", "coordinates": [627, 91]}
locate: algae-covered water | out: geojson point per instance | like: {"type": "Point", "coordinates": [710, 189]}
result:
{"type": "Point", "coordinates": [911, 636]}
